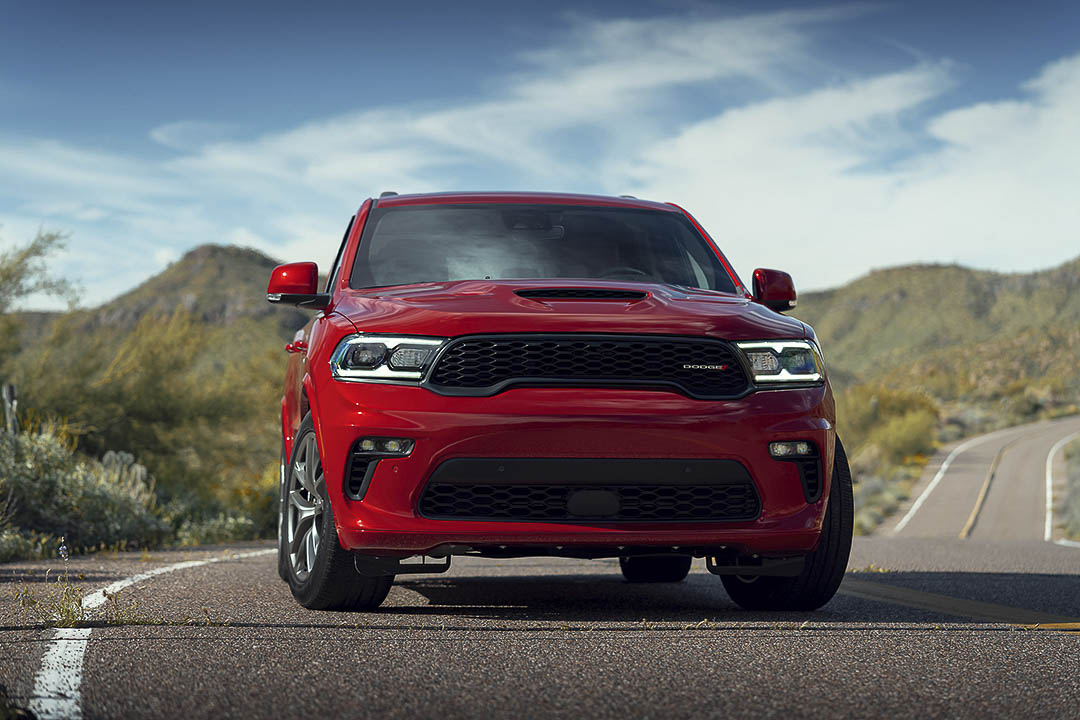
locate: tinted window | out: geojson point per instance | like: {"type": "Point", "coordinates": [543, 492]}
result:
{"type": "Point", "coordinates": [437, 243]}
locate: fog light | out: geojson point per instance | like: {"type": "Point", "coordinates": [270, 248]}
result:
{"type": "Point", "coordinates": [394, 446]}
{"type": "Point", "coordinates": [385, 446]}
{"type": "Point", "coordinates": [791, 449]}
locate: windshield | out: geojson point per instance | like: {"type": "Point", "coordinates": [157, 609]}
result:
{"type": "Point", "coordinates": [439, 243]}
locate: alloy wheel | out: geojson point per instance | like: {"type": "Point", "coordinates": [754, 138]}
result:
{"type": "Point", "coordinates": [304, 507]}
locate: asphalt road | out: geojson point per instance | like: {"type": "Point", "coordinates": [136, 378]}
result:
{"type": "Point", "coordinates": [953, 628]}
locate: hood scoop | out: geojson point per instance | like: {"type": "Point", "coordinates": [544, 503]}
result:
{"type": "Point", "coordinates": [580, 293]}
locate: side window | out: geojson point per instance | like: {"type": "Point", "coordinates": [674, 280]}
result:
{"type": "Point", "coordinates": [331, 277]}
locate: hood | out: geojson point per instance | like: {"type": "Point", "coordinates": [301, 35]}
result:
{"type": "Point", "coordinates": [472, 307]}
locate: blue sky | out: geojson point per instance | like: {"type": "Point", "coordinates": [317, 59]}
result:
{"type": "Point", "coordinates": [826, 139]}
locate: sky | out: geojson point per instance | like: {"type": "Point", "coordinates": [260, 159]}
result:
{"type": "Point", "coordinates": [822, 139]}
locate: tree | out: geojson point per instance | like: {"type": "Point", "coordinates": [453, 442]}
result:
{"type": "Point", "coordinates": [24, 273]}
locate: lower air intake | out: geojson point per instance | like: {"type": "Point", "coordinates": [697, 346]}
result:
{"type": "Point", "coordinates": [554, 503]}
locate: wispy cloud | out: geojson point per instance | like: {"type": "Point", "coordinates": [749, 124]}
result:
{"type": "Point", "coordinates": [788, 161]}
{"type": "Point", "coordinates": [189, 135]}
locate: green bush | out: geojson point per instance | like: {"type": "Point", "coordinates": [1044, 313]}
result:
{"type": "Point", "coordinates": [217, 530]}
{"type": "Point", "coordinates": [906, 435]}
{"type": "Point", "coordinates": [52, 491]}
{"type": "Point", "coordinates": [887, 433]}
{"type": "Point", "coordinates": [205, 424]}
{"type": "Point", "coordinates": [900, 422]}
{"type": "Point", "coordinates": [16, 544]}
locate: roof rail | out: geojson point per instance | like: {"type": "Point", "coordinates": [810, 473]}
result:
{"type": "Point", "coordinates": [387, 193]}
{"type": "Point", "coordinates": [632, 197]}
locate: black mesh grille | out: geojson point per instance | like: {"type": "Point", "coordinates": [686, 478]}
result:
{"type": "Point", "coordinates": [481, 365]}
{"type": "Point", "coordinates": [581, 294]}
{"type": "Point", "coordinates": [810, 474]}
{"type": "Point", "coordinates": [654, 503]}
{"type": "Point", "coordinates": [358, 467]}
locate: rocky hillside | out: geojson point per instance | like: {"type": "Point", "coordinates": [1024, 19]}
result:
{"type": "Point", "coordinates": [216, 284]}
{"type": "Point", "coordinates": [954, 332]}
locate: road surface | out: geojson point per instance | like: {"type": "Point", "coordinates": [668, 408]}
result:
{"type": "Point", "coordinates": [975, 627]}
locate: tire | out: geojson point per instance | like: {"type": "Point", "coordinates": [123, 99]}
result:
{"type": "Point", "coordinates": [825, 567]}
{"type": "Point", "coordinates": [321, 574]}
{"type": "Point", "coordinates": [655, 568]}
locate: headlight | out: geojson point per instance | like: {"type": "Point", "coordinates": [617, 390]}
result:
{"type": "Point", "coordinates": [783, 361]}
{"type": "Point", "coordinates": [364, 358]}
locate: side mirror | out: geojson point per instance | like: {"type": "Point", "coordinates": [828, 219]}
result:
{"type": "Point", "coordinates": [774, 289]}
{"type": "Point", "coordinates": [297, 284]}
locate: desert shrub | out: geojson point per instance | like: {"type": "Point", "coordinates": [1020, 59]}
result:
{"type": "Point", "coordinates": [901, 422]}
{"type": "Point", "coordinates": [888, 434]}
{"type": "Point", "coordinates": [198, 406]}
{"type": "Point", "coordinates": [16, 544]}
{"type": "Point", "coordinates": [216, 530]}
{"type": "Point", "coordinates": [253, 504]}
{"type": "Point", "coordinates": [52, 491]}
{"type": "Point", "coordinates": [906, 435]}
{"type": "Point", "coordinates": [257, 499]}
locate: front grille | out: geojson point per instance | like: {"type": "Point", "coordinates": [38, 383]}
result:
{"type": "Point", "coordinates": [581, 294]}
{"type": "Point", "coordinates": [482, 365]}
{"type": "Point", "coordinates": [553, 503]}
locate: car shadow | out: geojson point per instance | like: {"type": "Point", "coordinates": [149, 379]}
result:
{"type": "Point", "coordinates": [608, 598]}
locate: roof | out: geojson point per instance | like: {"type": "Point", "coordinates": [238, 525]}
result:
{"type": "Point", "coordinates": [458, 198]}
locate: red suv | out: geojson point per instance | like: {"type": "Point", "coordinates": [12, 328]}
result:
{"type": "Point", "coordinates": [514, 374]}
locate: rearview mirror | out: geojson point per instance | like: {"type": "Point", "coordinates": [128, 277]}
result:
{"type": "Point", "coordinates": [774, 289]}
{"type": "Point", "coordinates": [297, 284]}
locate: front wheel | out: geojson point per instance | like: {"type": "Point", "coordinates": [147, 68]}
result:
{"type": "Point", "coordinates": [824, 568]}
{"type": "Point", "coordinates": [320, 573]}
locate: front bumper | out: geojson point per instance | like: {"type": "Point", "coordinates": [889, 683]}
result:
{"type": "Point", "coordinates": [569, 423]}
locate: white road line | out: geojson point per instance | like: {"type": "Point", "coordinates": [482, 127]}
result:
{"type": "Point", "coordinates": [1048, 529]}
{"type": "Point", "coordinates": [56, 692]}
{"type": "Point", "coordinates": [57, 683]}
{"type": "Point", "coordinates": [937, 478]}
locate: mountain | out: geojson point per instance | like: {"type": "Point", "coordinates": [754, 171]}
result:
{"type": "Point", "coordinates": [217, 284]}
{"type": "Point", "coordinates": [954, 332]}
{"type": "Point", "coordinates": [884, 318]}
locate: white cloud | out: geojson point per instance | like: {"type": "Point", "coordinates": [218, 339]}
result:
{"type": "Point", "coordinates": [788, 162]}
{"type": "Point", "coordinates": [779, 183]}
{"type": "Point", "coordinates": [189, 135]}
{"type": "Point", "coordinates": [797, 183]}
